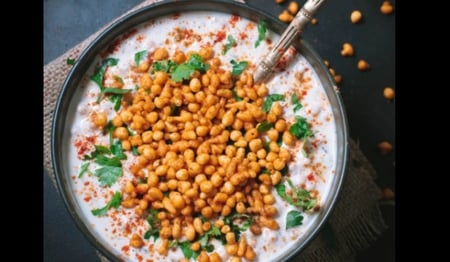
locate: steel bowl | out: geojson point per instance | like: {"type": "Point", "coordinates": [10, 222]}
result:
{"type": "Point", "coordinates": [70, 96]}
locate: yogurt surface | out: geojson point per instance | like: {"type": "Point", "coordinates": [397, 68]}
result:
{"type": "Point", "coordinates": [190, 31]}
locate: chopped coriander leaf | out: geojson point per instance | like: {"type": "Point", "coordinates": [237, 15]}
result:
{"type": "Point", "coordinates": [185, 70]}
{"type": "Point", "coordinates": [265, 171]}
{"type": "Point", "coordinates": [152, 218]}
{"type": "Point", "coordinates": [235, 96]}
{"type": "Point", "coordinates": [116, 91]}
{"type": "Point", "coordinates": [112, 91]}
{"type": "Point", "coordinates": [142, 180]}
{"type": "Point", "coordinates": [238, 68]}
{"type": "Point", "coordinates": [141, 55]}
{"type": "Point", "coordinates": [70, 61]}
{"type": "Point", "coordinates": [261, 32]}
{"type": "Point", "coordinates": [196, 61]}
{"type": "Point", "coordinates": [264, 126]}
{"type": "Point", "coordinates": [102, 149]}
{"type": "Point", "coordinates": [303, 196]}
{"type": "Point", "coordinates": [173, 243]}
{"type": "Point", "coordinates": [295, 102]}
{"type": "Point", "coordinates": [98, 77]}
{"type": "Point", "coordinates": [208, 248]}
{"type": "Point", "coordinates": [116, 100]}
{"type": "Point", "coordinates": [293, 219]}
{"type": "Point", "coordinates": [280, 141]}
{"type": "Point", "coordinates": [213, 232]}
{"type": "Point", "coordinates": [134, 150]}
{"type": "Point", "coordinates": [299, 197]}
{"type": "Point", "coordinates": [174, 110]}
{"type": "Point", "coordinates": [267, 105]}
{"type": "Point", "coordinates": [106, 161]}
{"type": "Point", "coordinates": [153, 221]}
{"type": "Point", "coordinates": [285, 170]}
{"type": "Point", "coordinates": [98, 151]}
{"type": "Point", "coordinates": [187, 251]}
{"type": "Point", "coordinates": [110, 128]}
{"type": "Point", "coordinates": [166, 66]}
{"type": "Point", "coordinates": [231, 42]}
{"type": "Point", "coordinates": [266, 145]}
{"type": "Point", "coordinates": [108, 175]}
{"type": "Point", "coordinates": [153, 232]}
{"type": "Point", "coordinates": [115, 202]}
{"type": "Point", "coordinates": [83, 169]}
{"type": "Point", "coordinates": [130, 131]}
{"type": "Point", "coordinates": [116, 150]}
{"type": "Point", "coordinates": [228, 220]}
{"type": "Point", "coordinates": [300, 129]}
{"type": "Point", "coordinates": [100, 211]}
{"type": "Point", "coordinates": [281, 190]}
{"type": "Point", "coordinates": [182, 72]}
{"type": "Point", "coordinates": [248, 221]}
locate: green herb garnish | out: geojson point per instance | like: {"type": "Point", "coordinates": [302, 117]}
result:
{"type": "Point", "coordinates": [106, 161]}
{"type": "Point", "coordinates": [141, 55]}
{"type": "Point", "coordinates": [108, 175]}
{"type": "Point", "coordinates": [235, 96]}
{"type": "Point", "coordinates": [204, 240]}
{"type": "Point", "coordinates": [70, 61]}
{"type": "Point", "coordinates": [300, 197]}
{"type": "Point", "coordinates": [117, 150]}
{"type": "Point", "coordinates": [295, 102]}
{"type": "Point", "coordinates": [185, 70]}
{"type": "Point", "coordinates": [285, 170]}
{"type": "Point", "coordinates": [110, 128]}
{"type": "Point", "coordinates": [98, 150]}
{"type": "Point", "coordinates": [267, 105]}
{"type": "Point", "coordinates": [238, 68]}
{"type": "Point", "coordinates": [116, 100]}
{"type": "Point", "coordinates": [187, 251]}
{"type": "Point", "coordinates": [231, 42]}
{"type": "Point", "coordinates": [114, 202]}
{"type": "Point", "coordinates": [261, 32]}
{"type": "Point", "coordinates": [111, 167]}
{"type": "Point", "coordinates": [174, 110]}
{"type": "Point", "coordinates": [134, 150]}
{"type": "Point", "coordinates": [151, 233]}
{"type": "Point", "coordinates": [116, 91]}
{"type": "Point", "coordinates": [300, 129]}
{"type": "Point", "coordinates": [83, 169]}
{"type": "Point", "coordinates": [264, 126]}
{"type": "Point", "coordinates": [182, 72]}
{"type": "Point", "coordinates": [266, 145]}
{"type": "Point", "coordinates": [153, 221]}
{"type": "Point", "coordinates": [166, 66]}
{"type": "Point", "coordinates": [235, 228]}
{"type": "Point", "coordinates": [113, 91]}
{"type": "Point", "coordinates": [98, 77]}
{"type": "Point", "coordinates": [293, 219]}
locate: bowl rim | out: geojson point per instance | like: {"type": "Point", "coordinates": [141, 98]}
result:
{"type": "Point", "coordinates": [167, 7]}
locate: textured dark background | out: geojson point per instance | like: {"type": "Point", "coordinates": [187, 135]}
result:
{"type": "Point", "coordinates": [371, 117]}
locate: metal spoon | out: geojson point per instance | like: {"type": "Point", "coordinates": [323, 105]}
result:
{"type": "Point", "coordinates": [296, 26]}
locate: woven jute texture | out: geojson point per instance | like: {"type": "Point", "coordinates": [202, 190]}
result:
{"type": "Point", "coordinates": [355, 223]}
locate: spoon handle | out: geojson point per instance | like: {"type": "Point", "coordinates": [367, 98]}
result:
{"type": "Point", "coordinates": [296, 26]}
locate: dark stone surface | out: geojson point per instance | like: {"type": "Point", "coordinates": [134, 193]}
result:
{"type": "Point", "coordinates": [371, 117]}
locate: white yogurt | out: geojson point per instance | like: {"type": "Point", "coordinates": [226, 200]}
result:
{"type": "Point", "coordinates": [198, 29]}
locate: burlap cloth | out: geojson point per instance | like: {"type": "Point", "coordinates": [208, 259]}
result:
{"type": "Point", "coordinates": [355, 223]}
